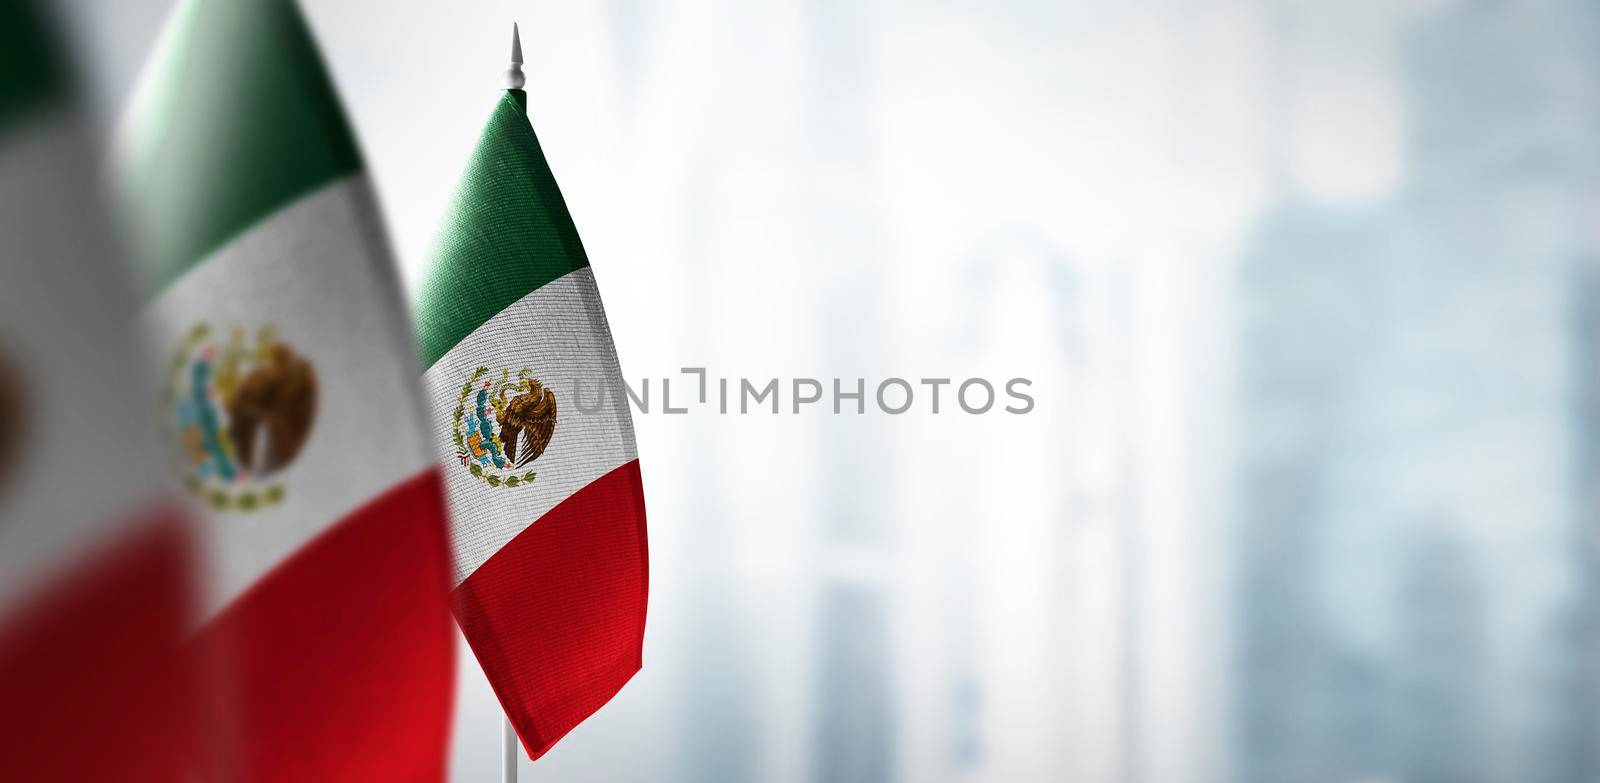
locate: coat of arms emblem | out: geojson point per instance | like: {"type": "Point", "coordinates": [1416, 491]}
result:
{"type": "Point", "coordinates": [501, 424]}
{"type": "Point", "coordinates": [240, 410]}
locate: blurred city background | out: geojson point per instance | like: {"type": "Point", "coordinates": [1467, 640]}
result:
{"type": "Point", "coordinates": [1309, 293]}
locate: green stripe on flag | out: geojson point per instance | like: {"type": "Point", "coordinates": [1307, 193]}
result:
{"type": "Point", "coordinates": [32, 72]}
{"type": "Point", "coordinates": [507, 234]}
{"type": "Point", "coordinates": [239, 120]}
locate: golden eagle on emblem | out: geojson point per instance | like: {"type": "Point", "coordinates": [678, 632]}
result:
{"type": "Point", "coordinates": [242, 412]}
{"type": "Point", "coordinates": [527, 421]}
{"type": "Point", "coordinates": [503, 424]}
{"type": "Point", "coordinates": [275, 399]}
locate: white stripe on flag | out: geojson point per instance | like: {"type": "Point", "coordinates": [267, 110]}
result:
{"type": "Point", "coordinates": [558, 332]}
{"type": "Point", "coordinates": [319, 273]}
{"type": "Point", "coordinates": [82, 463]}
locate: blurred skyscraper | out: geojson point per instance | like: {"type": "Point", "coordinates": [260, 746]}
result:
{"type": "Point", "coordinates": [1024, 700]}
{"type": "Point", "coordinates": [1442, 653]}
{"type": "Point", "coordinates": [1305, 691]}
{"type": "Point", "coordinates": [1415, 438]}
{"type": "Point", "coordinates": [855, 726]}
{"type": "Point", "coordinates": [1578, 681]}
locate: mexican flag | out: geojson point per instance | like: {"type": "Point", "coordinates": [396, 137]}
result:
{"type": "Point", "coordinates": [290, 402]}
{"type": "Point", "coordinates": [95, 581]}
{"type": "Point", "coordinates": [550, 566]}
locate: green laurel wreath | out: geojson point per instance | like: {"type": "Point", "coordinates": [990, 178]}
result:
{"type": "Point", "coordinates": [477, 471]}
{"type": "Point", "coordinates": [218, 499]}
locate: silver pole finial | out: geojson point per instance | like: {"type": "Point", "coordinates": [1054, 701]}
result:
{"type": "Point", "coordinates": [514, 77]}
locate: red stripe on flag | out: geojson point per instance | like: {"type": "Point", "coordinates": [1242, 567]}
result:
{"type": "Point", "coordinates": [556, 616]}
{"type": "Point", "coordinates": [92, 685]}
{"type": "Point", "coordinates": [339, 664]}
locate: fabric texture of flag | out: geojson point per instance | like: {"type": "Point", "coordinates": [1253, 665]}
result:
{"type": "Point", "coordinates": [290, 397]}
{"type": "Point", "coordinates": [96, 590]}
{"type": "Point", "coordinates": [551, 566]}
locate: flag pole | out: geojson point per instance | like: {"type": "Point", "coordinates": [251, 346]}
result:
{"type": "Point", "coordinates": [514, 77]}
{"type": "Point", "coordinates": [508, 735]}
{"type": "Point", "coordinates": [508, 751]}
